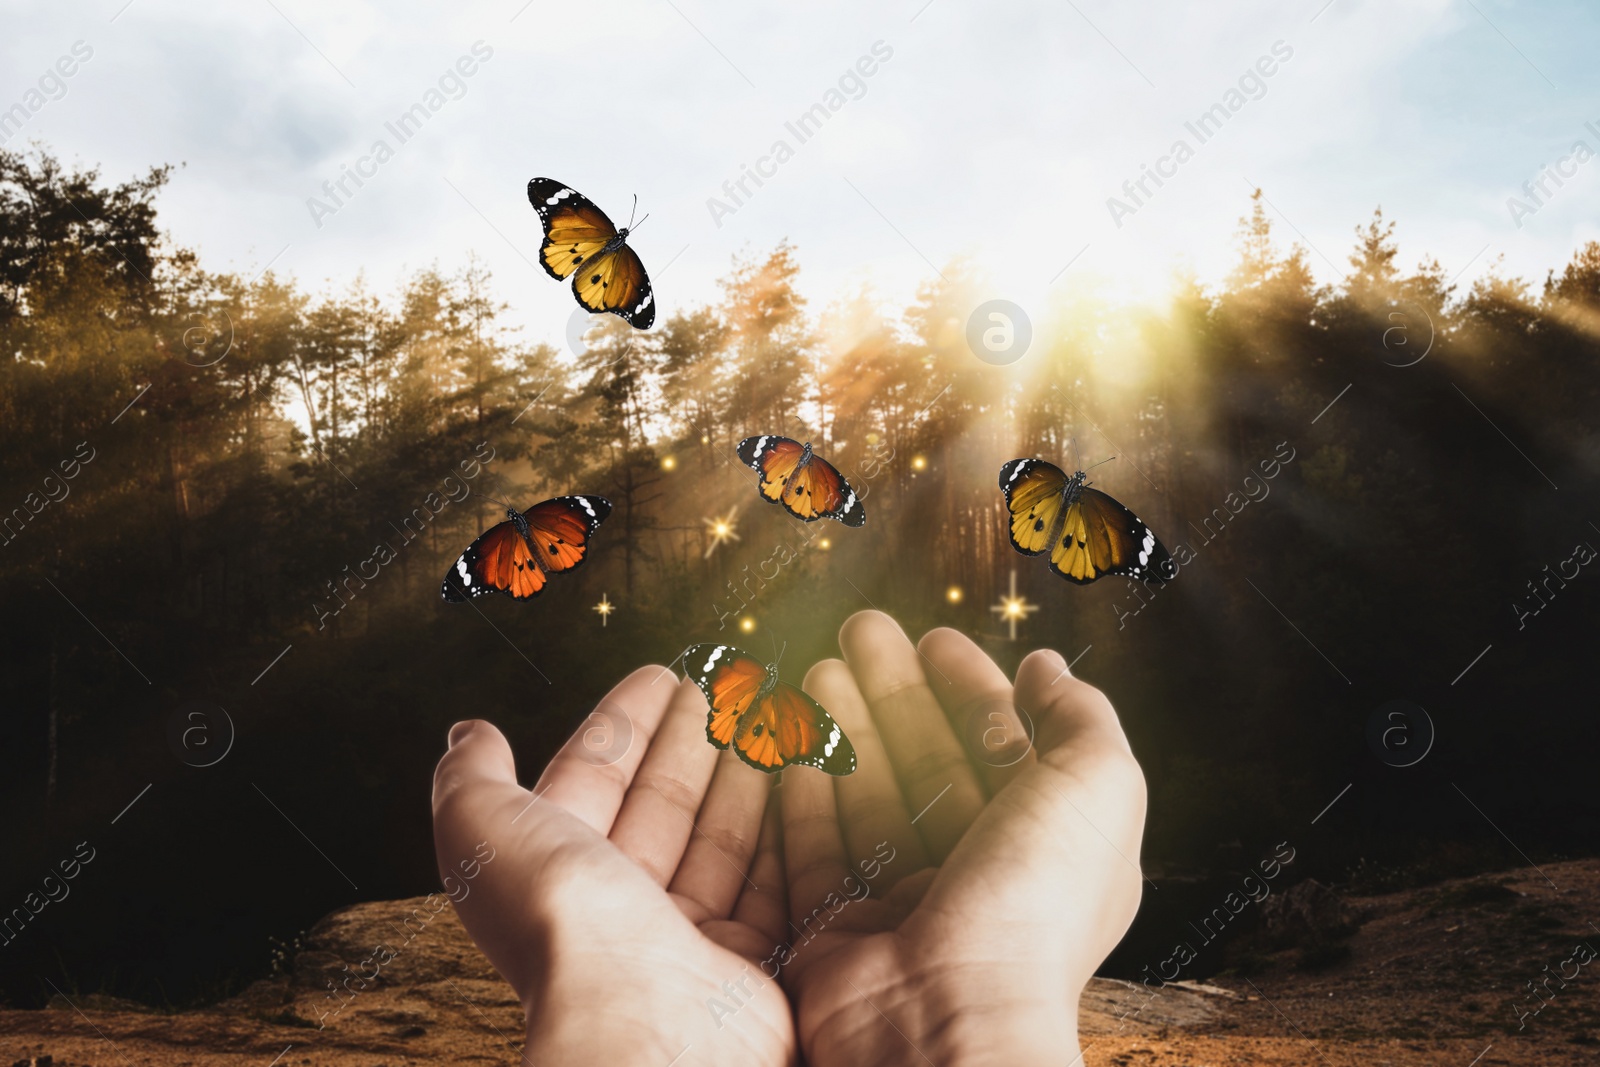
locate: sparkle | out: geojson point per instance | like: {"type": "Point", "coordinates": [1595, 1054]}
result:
{"type": "Point", "coordinates": [747, 624]}
{"type": "Point", "coordinates": [1013, 607]}
{"type": "Point", "coordinates": [919, 463]}
{"type": "Point", "coordinates": [669, 463]}
{"type": "Point", "coordinates": [722, 529]}
{"type": "Point", "coordinates": [824, 543]}
{"type": "Point", "coordinates": [953, 594]}
{"type": "Point", "coordinates": [604, 609]}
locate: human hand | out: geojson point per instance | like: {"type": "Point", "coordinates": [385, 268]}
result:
{"type": "Point", "coordinates": [1007, 886]}
{"type": "Point", "coordinates": [623, 896]}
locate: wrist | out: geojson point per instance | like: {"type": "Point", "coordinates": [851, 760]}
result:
{"type": "Point", "coordinates": [649, 1007]}
{"type": "Point", "coordinates": [595, 1035]}
{"type": "Point", "coordinates": [965, 1020]}
{"type": "Point", "coordinates": [1010, 1036]}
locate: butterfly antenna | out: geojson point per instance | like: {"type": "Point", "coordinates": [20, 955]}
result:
{"type": "Point", "coordinates": [1092, 466]}
{"type": "Point", "coordinates": [634, 210]}
{"type": "Point", "coordinates": [632, 228]}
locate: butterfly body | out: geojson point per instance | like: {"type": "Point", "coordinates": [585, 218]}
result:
{"type": "Point", "coordinates": [517, 557]}
{"type": "Point", "coordinates": [806, 485]}
{"type": "Point", "coordinates": [1086, 532]}
{"type": "Point", "coordinates": [767, 722]}
{"type": "Point", "coordinates": [581, 243]}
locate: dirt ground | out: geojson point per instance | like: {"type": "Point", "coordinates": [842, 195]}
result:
{"type": "Point", "coordinates": [1432, 977]}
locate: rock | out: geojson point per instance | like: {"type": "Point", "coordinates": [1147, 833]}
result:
{"type": "Point", "coordinates": [1308, 913]}
{"type": "Point", "coordinates": [93, 1002]}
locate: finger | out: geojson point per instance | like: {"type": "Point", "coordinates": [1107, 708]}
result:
{"type": "Point", "coordinates": [474, 783]}
{"type": "Point", "coordinates": [763, 906]}
{"type": "Point", "coordinates": [653, 827]}
{"type": "Point", "coordinates": [725, 833]}
{"type": "Point", "coordinates": [1080, 737]}
{"type": "Point", "coordinates": [591, 773]}
{"type": "Point", "coordinates": [871, 807]}
{"type": "Point", "coordinates": [980, 707]}
{"type": "Point", "coordinates": [813, 847]}
{"type": "Point", "coordinates": [1075, 719]}
{"type": "Point", "coordinates": [940, 786]}
{"type": "Point", "coordinates": [479, 811]}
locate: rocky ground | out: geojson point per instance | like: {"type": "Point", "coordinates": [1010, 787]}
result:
{"type": "Point", "coordinates": [1436, 976]}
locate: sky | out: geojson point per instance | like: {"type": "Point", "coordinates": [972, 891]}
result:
{"type": "Point", "coordinates": [999, 132]}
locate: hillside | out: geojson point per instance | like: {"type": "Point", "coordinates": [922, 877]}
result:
{"type": "Point", "coordinates": [1431, 977]}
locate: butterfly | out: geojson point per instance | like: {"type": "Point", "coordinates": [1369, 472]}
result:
{"type": "Point", "coordinates": [517, 556]}
{"type": "Point", "coordinates": [808, 486]}
{"type": "Point", "coordinates": [1087, 533]}
{"type": "Point", "coordinates": [769, 723]}
{"type": "Point", "coordinates": [581, 243]}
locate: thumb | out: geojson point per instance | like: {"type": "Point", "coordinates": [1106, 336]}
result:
{"type": "Point", "coordinates": [474, 785]}
{"type": "Point", "coordinates": [1071, 714]}
{"type": "Point", "coordinates": [478, 753]}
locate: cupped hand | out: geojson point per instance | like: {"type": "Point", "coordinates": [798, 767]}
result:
{"type": "Point", "coordinates": [950, 900]}
{"type": "Point", "coordinates": [633, 888]}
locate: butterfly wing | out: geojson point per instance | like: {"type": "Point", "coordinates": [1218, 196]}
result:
{"type": "Point", "coordinates": [1100, 536]}
{"type": "Point", "coordinates": [819, 491]}
{"type": "Point", "coordinates": [1034, 495]}
{"type": "Point", "coordinates": [787, 727]}
{"type": "Point", "coordinates": [616, 282]}
{"type": "Point", "coordinates": [499, 561]}
{"type": "Point", "coordinates": [577, 235]}
{"type": "Point", "coordinates": [814, 491]}
{"type": "Point", "coordinates": [575, 229]}
{"type": "Point", "coordinates": [561, 528]}
{"type": "Point", "coordinates": [731, 681]}
{"type": "Point", "coordinates": [774, 458]}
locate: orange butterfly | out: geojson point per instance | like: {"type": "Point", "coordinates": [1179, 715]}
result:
{"type": "Point", "coordinates": [516, 557]}
{"type": "Point", "coordinates": [769, 723]}
{"type": "Point", "coordinates": [808, 486]}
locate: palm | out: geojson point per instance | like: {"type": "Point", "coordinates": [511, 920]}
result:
{"type": "Point", "coordinates": [1014, 866]}
{"type": "Point", "coordinates": [963, 883]}
{"type": "Point", "coordinates": [631, 874]}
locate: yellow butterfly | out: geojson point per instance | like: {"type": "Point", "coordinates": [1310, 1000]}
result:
{"type": "Point", "coordinates": [581, 243]}
{"type": "Point", "coordinates": [1086, 532]}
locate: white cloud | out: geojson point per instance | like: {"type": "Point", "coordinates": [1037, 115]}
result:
{"type": "Point", "coordinates": [996, 130]}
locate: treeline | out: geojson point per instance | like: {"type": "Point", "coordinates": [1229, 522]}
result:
{"type": "Point", "coordinates": [200, 469]}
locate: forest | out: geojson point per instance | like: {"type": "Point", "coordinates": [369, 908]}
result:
{"type": "Point", "coordinates": [238, 494]}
